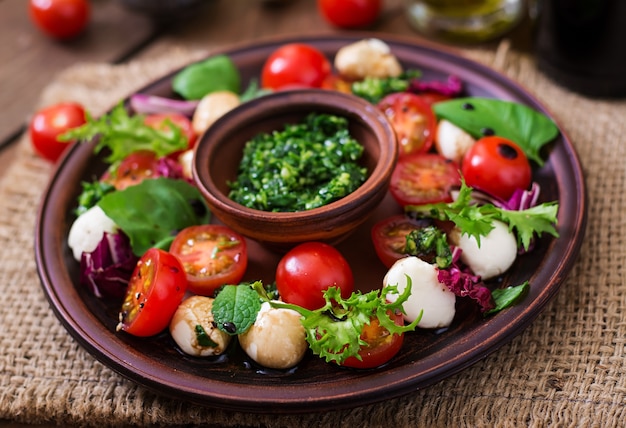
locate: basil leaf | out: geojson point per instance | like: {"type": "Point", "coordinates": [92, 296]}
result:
{"type": "Point", "coordinates": [505, 297]}
{"type": "Point", "coordinates": [235, 308]}
{"type": "Point", "coordinates": [218, 73]}
{"type": "Point", "coordinates": [526, 127]}
{"type": "Point", "coordinates": [153, 211]}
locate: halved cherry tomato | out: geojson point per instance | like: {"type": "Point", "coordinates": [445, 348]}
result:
{"type": "Point", "coordinates": [413, 120]}
{"type": "Point", "coordinates": [307, 270]}
{"type": "Point", "coordinates": [48, 123]}
{"type": "Point", "coordinates": [155, 290]}
{"type": "Point", "coordinates": [381, 346]}
{"type": "Point", "coordinates": [212, 255]}
{"type": "Point", "coordinates": [61, 19]}
{"type": "Point", "coordinates": [135, 168]}
{"type": "Point", "coordinates": [496, 166]}
{"type": "Point", "coordinates": [159, 121]}
{"type": "Point", "coordinates": [389, 236]}
{"type": "Point", "coordinates": [350, 13]}
{"type": "Point", "coordinates": [295, 65]}
{"type": "Point", "coordinates": [423, 178]}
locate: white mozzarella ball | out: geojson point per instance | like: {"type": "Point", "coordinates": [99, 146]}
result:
{"type": "Point", "coordinates": [427, 294]}
{"type": "Point", "coordinates": [451, 141]}
{"type": "Point", "coordinates": [88, 230]}
{"type": "Point", "coordinates": [496, 254]}
{"type": "Point", "coordinates": [193, 312]}
{"type": "Point", "coordinates": [367, 58]}
{"type": "Point", "coordinates": [277, 339]}
{"type": "Point", "coordinates": [186, 161]}
{"type": "Point", "coordinates": [211, 107]}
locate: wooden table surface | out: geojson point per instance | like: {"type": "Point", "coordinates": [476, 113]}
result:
{"type": "Point", "coordinates": [29, 59]}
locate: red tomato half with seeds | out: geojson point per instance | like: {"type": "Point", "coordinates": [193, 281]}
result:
{"type": "Point", "coordinates": [295, 65]}
{"type": "Point", "coordinates": [309, 269]}
{"type": "Point", "coordinates": [413, 120]}
{"type": "Point", "coordinates": [212, 256]}
{"type": "Point", "coordinates": [350, 13]}
{"type": "Point", "coordinates": [423, 178]}
{"type": "Point", "coordinates": [155, 290]}
{"type": "Point", "coordinates": [50, 122]}
{"type": "Point", "coordinates": [496, 166]}
{"type": "Point", "coordinates": [61, 19]}
{"type": "Point", "coordinates": [381, 346]}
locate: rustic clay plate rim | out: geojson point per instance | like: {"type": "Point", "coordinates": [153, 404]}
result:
{"type": "Point", "coordinates": [92, 329]}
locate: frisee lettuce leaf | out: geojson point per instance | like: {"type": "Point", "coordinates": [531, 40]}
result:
{"type": "Point", "coordinates": [334, 330]}
{"type": "Point", "coordinates": [152, 212]}
{"type": "Point", "coordinates": [477, 220]}
{"type": "Point", "coordinates": [123, 134]}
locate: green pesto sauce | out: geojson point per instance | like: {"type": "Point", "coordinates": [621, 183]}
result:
{"type": "Point", "coordinates": [303, 166]}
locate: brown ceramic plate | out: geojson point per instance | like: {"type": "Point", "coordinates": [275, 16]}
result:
{"type": "Point", "coordinates": [233, 382]}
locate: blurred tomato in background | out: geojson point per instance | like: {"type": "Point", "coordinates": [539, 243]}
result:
{"type": "Point", "coordinates": [60, 19]}
{"type": "Point", "coordinates": [350, 13]}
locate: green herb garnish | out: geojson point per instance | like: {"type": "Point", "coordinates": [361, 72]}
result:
{"type": "Point", "coordinates": [235, 308]}
{"type": "Point", "coordinates": [373, 89]}
{"type": "Point", "coordinates": [476, 220]}
{"type": "Point", "coordinates": [203, 338]}
{"type": "Point", "coordinates": [430, 244]}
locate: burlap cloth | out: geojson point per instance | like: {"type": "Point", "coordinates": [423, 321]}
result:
{"type": "Point", "coordinates": [568, 368]}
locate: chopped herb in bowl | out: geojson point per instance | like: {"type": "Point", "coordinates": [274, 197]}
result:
{"type": "Point", "coordinates": [301, 167]}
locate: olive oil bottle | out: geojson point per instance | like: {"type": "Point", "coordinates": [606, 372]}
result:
{"type": "Point", "coordinates": [464, 21]}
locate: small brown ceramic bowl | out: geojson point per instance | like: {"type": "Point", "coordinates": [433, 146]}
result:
{"type": "Point", "coordinates": [219, 152]}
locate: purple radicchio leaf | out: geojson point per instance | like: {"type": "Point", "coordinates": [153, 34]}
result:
{"type": "Point", "coordinates": [169, 168]}
{"type": "Point", "coordinates": [452, 87]}
{"type": "Point", "coordinates": [107, 269]}
{"type": "Point", "coordinates": [464, 283]}
{"type": "Point", "coordinates": [151, 104]}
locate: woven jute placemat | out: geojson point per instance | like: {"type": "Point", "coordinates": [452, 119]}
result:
{"type": "Point", "coordinates": [566, 369]}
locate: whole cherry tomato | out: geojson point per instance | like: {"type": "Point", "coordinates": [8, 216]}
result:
{"type": "Point", "coordinates": [497, 166]}
{"type": "Point", "coordinates": [412, 118]}
{"type": "Point", "coordinates": [212, 255]}
{"type": "Point", "coordinates": [156, 288]}
{"type": "Point", "coordinates": [423, 178]}
{"type": "Point", "coordinates": [350, 13]}
{"type": "Point", "coordinates": [307, 270]}
{"type": "Point", "coordinates": [48, 123]}
{"type": "Point", "coordinates": [381, 346]}
{"type": "Point", "coordinates": [295, 65]}
{"type": "Point", "coordinates": [61, 19]}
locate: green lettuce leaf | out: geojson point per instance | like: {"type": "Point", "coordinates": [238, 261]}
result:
{"type": "Point", "coordinates": [152, 212]}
